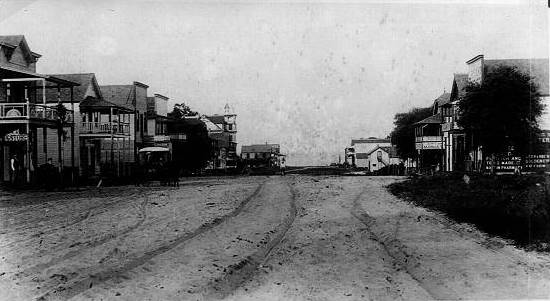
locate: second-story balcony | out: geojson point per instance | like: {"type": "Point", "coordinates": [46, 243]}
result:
{"type": "Point", "coordinates": [428, 142]}
{"type": "Point", "coordinates": [24, 98]}
{"type": "Point", "coordinates": [22, 112]}
{"type": "Point", "coordinates": [105, 128]}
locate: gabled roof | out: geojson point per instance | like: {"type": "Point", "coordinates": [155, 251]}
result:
{"type": "Point", "coordinates": [536, 68]}
{"type": "Point", "coordinates": [192, 120]}
{"type": "Point", "coordinates": [460, 81]}
{"type": "Point", "coordinates": [432, 119]}
{"type": "Point", "coordinates": [217, 119]}
{"type": "Point", "coordinates": [443, 99]}
{"type": "Point", "coordinates": [211, 126]}
{"type": "Point", "coordinates": [122, 95]}
{"type": "Point", "coordinates": [13, 41]}
{"type": "Point", "coordinates": [369, 140]}
{"type": "Point", "coordinates": [260, 148]}
{"type": "Point", "coordinates": [95, 103]}
{"type": "Point", "coordinates": [79, 92]}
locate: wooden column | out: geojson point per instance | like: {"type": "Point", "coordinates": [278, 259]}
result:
{"type": "Point", "coordinates": [59, 142]}
{"type": "Point", "coordinates": [72, 139]}
{"type": "Point", "coordinates": [112, 137]}
{"type": "Point", "coordinates": [29, 153]}
{"type": "Point", "coordinates": [28, 143]}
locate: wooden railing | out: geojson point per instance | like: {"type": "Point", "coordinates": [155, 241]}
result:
{"type": "Point", "coordinates": [15, 111]}
{"type": "Point", "coordinates": [105, 128]}
{"type": "Point", "coordinates": [428, 139]}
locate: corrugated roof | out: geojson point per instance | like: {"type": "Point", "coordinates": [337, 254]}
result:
{"type": "Point", "coordinates": [536, 68]}
{"type": "Point", "coordinates": [260, 148]}
{"type": "Point", "coordinates": [432, 119]}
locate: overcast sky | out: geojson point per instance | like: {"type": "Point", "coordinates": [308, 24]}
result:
{"type": "Point", "coordinates": [308, 76]}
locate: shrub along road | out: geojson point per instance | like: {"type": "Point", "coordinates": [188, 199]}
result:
{"type": "Point", "coordinates": [253, 238]}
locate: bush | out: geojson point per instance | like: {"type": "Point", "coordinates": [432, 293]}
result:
{"type": "Point", "coordinates": [514, 207]}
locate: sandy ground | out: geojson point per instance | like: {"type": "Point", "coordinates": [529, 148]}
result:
{"type": "Point", "coordinates": [252, 238]}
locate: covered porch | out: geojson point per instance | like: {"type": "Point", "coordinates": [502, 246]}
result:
{"type": "Point", "coordinates": [106, 139]}
{"type": "Point", "coordinates": [27, 115]}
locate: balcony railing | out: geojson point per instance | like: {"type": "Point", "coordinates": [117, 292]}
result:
{"type": "Point", "coordinates": [115, 128]}
{"type": "Point", "coordinates": [428, 139]}
{"type": "Point", "coordinates": [18, 111]}
{"type": "Point", "coordinates": [429, 142]}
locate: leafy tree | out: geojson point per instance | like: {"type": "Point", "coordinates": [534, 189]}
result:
{"type": "Point", "coordinates": [181, 110]}
{"type": "Point", "coordinates": [193, 153]}
{"type": "Point", "coordinates": [403, 133]}
{"type": "Point", "coordinates": [500, 114]}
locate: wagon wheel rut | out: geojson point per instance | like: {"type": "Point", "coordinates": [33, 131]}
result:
{"type": "Point", "coordinates": [73, 287]}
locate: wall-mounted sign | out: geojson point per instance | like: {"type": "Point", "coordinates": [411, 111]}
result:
{"type": "Point", "coordinates": [429, 145]}
{"type": "Point", "coordinates": [16, 137]}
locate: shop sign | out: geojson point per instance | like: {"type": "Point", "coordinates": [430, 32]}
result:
{"type": "Point", "coordinates": [16, 137]}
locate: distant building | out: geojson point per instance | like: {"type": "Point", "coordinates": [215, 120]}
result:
{"type": "Point", "coordinates": [361, 149]}
{"type": "Point", "coordinates": [222, 129]}
{"type": "Point", "coordinates": [156, 133]}
{"type": "Point", "coordinates": [261, 155]}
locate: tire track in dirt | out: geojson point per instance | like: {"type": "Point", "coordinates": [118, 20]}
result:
{"type": "Point", "coordinates": [394, 249]}
{"type": "Point", "coordinates": [67, 291]}
{"type": "Point", "coordinates": [91, 244]}
{"type": "Point", "coordinates": [242, 271]}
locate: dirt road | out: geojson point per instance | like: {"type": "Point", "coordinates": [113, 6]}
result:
{"type": "Point", "coordinates": [252, 238]}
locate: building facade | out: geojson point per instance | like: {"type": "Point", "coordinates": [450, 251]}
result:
{"type": "Point", "coordinates": [261, 155]}
{"type": "Point", "coordinates": [34, 126]}
{"type": "Point", "coordinates": [442, 132]}
{"type": "Point", "coordinates": [156, 131]}
{"type": "Point", "coordinates": [134, 98]}
{"type": "Point", "coordinates": [358, 154]}
{"type": "Point", "coordinates": [222, 129]}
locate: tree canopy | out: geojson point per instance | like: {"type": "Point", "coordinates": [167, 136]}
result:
{"type": "Point", "coordinates": [501, 112]}
{"type": "Point", "coordinates": [194, 153]}
{"type": "Point", "coordinates": [403, 133]}
{"type": "Point", "coordinates": [181, 110]}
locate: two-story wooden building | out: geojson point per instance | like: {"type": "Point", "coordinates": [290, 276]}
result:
{"type": "Point", "coordinates": [134, 98]}
{"type": "Point", "coordinates": [33, 126]}
{"type": "Point", "coordinates": [103, 140]}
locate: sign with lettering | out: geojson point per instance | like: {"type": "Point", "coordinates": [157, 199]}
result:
{"type": "Point", "coordinates": [429, 145]}
{"type": "Point", "coordinates": [16, 137]}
